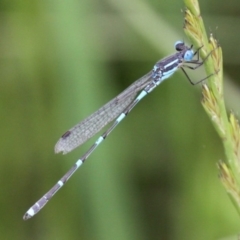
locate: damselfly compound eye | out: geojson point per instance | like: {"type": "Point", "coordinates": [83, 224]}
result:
{"type": "Point", "coordinates": [188, 56]}
{"type": "Point", "coordinates": [179, 45]}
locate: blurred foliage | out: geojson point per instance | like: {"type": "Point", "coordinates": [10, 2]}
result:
{"type": "Point", "coordinates": [155, 177]}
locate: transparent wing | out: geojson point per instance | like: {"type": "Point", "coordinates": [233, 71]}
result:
{"type": "Point", "coordinates": [84, 130]}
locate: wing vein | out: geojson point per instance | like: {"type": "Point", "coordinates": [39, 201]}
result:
{"type": "Point", "coordinates": [84, 130]}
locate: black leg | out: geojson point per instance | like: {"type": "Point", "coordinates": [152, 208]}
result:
{"type": "Point", "coordinates": [197, 60]}
{"type": "Point", "coordinates": [196, 52]}
{"type": "Point", "coordinates": [195, 83]}
{"type": "Point", "coordinates": [197, 64]}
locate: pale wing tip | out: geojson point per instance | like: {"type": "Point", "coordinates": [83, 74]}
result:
{"type": "Point", "coordinates": [68, 142]}
{"type": "Point", "coordinates": [61, 145]}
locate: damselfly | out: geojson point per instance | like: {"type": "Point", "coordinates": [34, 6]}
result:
{"type": "Point", "coordinates": [118, 108]}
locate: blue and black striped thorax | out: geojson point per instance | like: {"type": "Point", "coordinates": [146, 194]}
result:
{"type": "Point", "coordinates": [166, 67]}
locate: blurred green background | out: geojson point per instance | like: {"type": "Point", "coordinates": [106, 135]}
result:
{"type": "Point", "coordinates": [155, 177]}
